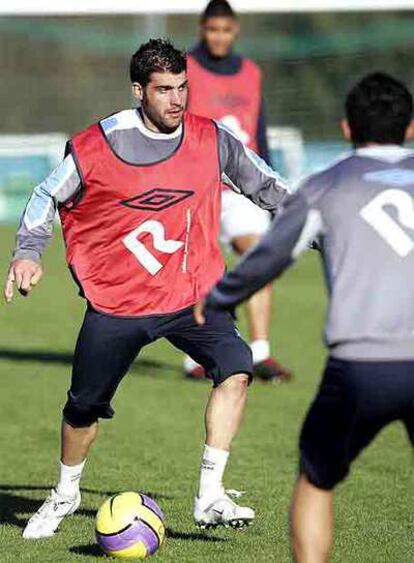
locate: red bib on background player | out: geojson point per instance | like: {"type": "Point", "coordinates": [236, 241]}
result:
{"type": "Point", "coordinates": [232, 99]}
{"type": "Point", "coordinates": [143, 239]}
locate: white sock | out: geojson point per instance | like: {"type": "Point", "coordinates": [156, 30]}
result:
{"type": "Point", "coordinates": [260, 350]}
{"type": "Point", "coordinates": [189, 364]}
{"type": "Point", "coordinates": [212, 470]}
{"type": "Point", "coordinates": [69, 480]}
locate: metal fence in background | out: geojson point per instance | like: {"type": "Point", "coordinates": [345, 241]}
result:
{"type": "Point", "coordinates": [59, 74]}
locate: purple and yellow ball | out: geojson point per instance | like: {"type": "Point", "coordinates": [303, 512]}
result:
{"type": "Point", "coordinates": [130, 526]}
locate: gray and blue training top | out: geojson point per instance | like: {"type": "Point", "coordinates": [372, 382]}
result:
{"type": "Point", "coordinates": [361, 213]}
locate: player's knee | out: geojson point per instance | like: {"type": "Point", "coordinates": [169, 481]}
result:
{"type": "Point", "coordinates": [82, 415]}
{"type": "Point", "coordinates": [237, 384]}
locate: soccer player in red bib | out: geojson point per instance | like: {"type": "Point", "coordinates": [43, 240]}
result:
{"type": "Point", "coordinates": [139, 197]}
{"type": "Point", "coordinates": [228, 88]}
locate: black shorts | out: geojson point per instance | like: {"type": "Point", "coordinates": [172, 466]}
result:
{"type": "Point", "coordinates": [356, 400]}
{"type": "Point", "coordinates": [108, 345]}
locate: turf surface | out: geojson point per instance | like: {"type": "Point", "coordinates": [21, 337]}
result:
{"type": "Point", "coordinates": [154, 443]}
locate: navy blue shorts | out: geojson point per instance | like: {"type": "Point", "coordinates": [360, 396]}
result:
{"type": "Point", "coordinates": [108, 345]}
{"type": "Point", "coordinates": [356, 400]}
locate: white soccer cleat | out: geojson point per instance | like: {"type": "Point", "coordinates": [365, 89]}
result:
{"type": "Point", "coordinates": [210, 512]}
{"type": "Point", "coordinates": [46, 520]}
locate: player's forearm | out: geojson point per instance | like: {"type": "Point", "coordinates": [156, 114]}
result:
{"type": "Point", "coordinates": [30, 245]}
{"type": "Point", "coordinates": [246, 173]}
{"type": "Point", "coordinates": [36, 225]}
{"type": "Point", "coordinates": [287, 237]}
{"type": "Point", "coordinates": [260, 267]}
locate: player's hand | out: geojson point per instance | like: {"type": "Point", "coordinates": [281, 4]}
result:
{"type": "Point", "coordinates": [199, 312]}
{"type": "Point", "coordinates": [25, 274]}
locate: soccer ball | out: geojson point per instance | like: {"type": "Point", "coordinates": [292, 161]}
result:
{"type": "Point", "coordinates": [130, 526]}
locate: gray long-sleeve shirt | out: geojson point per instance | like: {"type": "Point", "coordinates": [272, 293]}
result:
{"type": "Point", "coordinates": [361, 212]}
{"type": "Point", "coordinates": [241, 168]}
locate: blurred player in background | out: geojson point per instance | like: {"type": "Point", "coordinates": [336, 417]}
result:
{"type": "Point", "coordinates": [361, 212]}
{"type": "Point", "coordinates": [228, 88]}
{"type": "Point", "coordinates": [139, 196]}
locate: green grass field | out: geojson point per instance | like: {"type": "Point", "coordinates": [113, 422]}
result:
{"type": "Point", "coordinates": [154, 443]}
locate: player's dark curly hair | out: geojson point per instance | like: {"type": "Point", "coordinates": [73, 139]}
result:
{"type": "Point", "coordinates": [157, 55]}
{"type": "Point", "coordinates": [218, 9]}
{"type": "Point", "coordinates": [379, 110]}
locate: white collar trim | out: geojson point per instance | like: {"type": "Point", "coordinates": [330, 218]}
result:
{"type": "Point", "coordinates": [389, 153]}
{"type": "Point", "coordinates": [153, 134]}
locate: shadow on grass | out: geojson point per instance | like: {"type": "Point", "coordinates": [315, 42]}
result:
{"type": "Point", "coordinates": [93, 550]}
{"type": "Point", "coordinates": [12, 505]}
{"type": "Point", "coordinates": [5, 487]}
{"type": "Point", "coordinates": [193, 536]}
{"type": "Point", "coordinates": [150, 366]}
{"type": "Point", "coordinates": [89, 550]}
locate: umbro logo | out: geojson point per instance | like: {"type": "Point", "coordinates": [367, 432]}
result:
{"type": "Point", "coordinates": [208, 464]}
{"type": "Point", "coordinates": [157, 199]}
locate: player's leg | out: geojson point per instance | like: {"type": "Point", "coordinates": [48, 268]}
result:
{"type": "Point", "coordinates": [75, 445]}
{"type": "Point", "coordinates": [225, 409]}
{"type": "Point", "coordinates": [258, 307]}
{"type": "Point", "coordinates": [312, 522]}
{"type": "Point", "coordinates": [355, 402]}
{"type": "Point", "coordinates": [324, 462]}
{"type": "Point", "coordinates": [218, 347]}
{"type": "Point", "coordinates": [243, 224]}
{"type": "Point", "coordinates": [408, 416]}
{"type": "Point", "coordinates": [224, 415]}
{"type": "Point", "coordinates": [105, 349]}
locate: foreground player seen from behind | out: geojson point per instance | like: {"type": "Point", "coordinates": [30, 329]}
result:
{"type": "Point", "coordinates": [361, 213]}
{"type": "Point", "coordinates": [228, 88]}
{"type": "Point", "coordinates": [139, 198]}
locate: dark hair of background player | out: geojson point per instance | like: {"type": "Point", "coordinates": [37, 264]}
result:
{"type": "Point", "coordinates": [218, 9]}
{"type": "Point", "coordinates": [157, 55]}
{"type": "Point", "coordinates": [379, 110]}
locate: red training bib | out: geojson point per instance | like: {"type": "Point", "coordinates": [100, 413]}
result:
{"type": "Point", "coordinates": [143, 240]}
